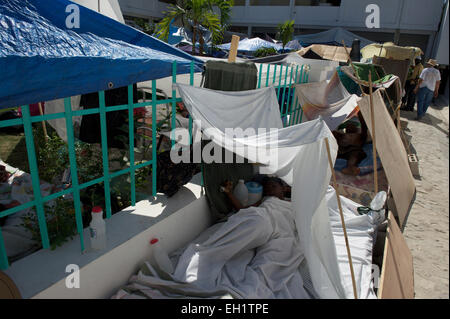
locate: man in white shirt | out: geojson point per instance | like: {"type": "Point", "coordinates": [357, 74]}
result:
{"type": "Point", "coordinates": [427, 87]}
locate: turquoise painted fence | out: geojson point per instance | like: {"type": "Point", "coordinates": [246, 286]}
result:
{"type": "Point", "coordinates": [291, 114]}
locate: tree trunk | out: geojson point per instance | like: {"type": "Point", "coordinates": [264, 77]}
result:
{"type": "Point", "coordinates": [201, 42]}
{"type": "Point", "coordinates": [193, 39]}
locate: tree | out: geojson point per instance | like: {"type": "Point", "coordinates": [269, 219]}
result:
{"type": "Point", "coordinates": [263, 52]}
{"type": "Point", "coordinates": [196, 13]}
{"type": "Point", "coordinates": [285, 32]}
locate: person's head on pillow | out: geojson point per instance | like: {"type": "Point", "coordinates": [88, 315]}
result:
{"type": "Point", "coordinates": [273, 186]}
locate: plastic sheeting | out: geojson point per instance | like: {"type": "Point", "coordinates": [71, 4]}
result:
{"type": "Point", "coordinates": [318, 70]}
{"type": "Point", "coordinates": [331, 37]}
{"type": "Point", "coordinates": [251, 45]}
{"type": "Point", "coordinates": [294, 45]}
{"type": "Point", "coordinates": [42, 59]}
{"type": "Point", "coordinates": [327, 52]}
{"type": "Point", "coordinates": [327, 99]}
{"type": "Point", "coordinates": [298, 156]}
{"type": "Point", "coordinates": [391, 83]}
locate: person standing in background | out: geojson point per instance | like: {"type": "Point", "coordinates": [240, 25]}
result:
{"type": "Point", "coordinates": [413, 77]}
{"type": "Point", "coordinates": [427, 87]}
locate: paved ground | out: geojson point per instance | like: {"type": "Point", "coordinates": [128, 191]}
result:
{"type": "Point", "coordinates": [427, 229]}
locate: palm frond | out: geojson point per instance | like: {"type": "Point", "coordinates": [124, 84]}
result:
{"type": "Point", "coordinates": [174, 12]}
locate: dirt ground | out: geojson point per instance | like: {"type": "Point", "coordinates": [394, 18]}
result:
{"type": "Point", "coordinates": [427, 229]}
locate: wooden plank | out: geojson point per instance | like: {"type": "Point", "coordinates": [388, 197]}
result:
{"type": "Point", "coordinates": [397, 275]}
{"type": "Point", "coordinates": [8, 290]}
{"type": "Point", "coordinates": [233, 48]}
{"type": "Point", "coordinates": [392, 153]}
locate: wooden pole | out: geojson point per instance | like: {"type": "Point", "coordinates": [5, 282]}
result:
{"type": "Point", "coordinates": [43, 122]}
{"type": "Point", "coordinates": [233, 48]}
{"type": "Point", "coordinates": [342, 218]}
{"type": "Point", "coordinates": [353, 67]}
{"type": "Point", "coordinates": [374, 142]}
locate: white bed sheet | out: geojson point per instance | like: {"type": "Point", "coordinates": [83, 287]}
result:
{"type": "Point", "coordinates": [256, 254]}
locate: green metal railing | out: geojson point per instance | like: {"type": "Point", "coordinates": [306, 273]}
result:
{"type": "Point", "coordinates": [292, 75]}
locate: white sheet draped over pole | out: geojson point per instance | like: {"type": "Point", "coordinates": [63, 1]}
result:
{"type": "Point", "coordinates": [329, 100]}
{"type": "Point", "coordinates": [299, 157]}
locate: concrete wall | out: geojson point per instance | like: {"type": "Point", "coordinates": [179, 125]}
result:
{"type": "Point", "coordinates": [406, 15]}
{"type": "Point", "coordinates": [405, 21]}
{"type": "Point", "coordinates": [109, 8]}
{"type": "Point", "coordinates": [402, 14]}
{"type": "Point", "coordinates": [143, 8]}
{"type": "Point", "coordinates": [176, 221]}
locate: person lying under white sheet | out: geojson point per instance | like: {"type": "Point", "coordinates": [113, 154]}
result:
{"type": "Point", "coordinates": [272, 186]}
{"type": "Point", "coordinates": [256, 253]}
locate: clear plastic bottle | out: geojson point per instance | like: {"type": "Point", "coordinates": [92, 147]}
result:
{"type": "Point", "coordinates": [377, 208]}
{"type": "Point", "coordinates": [160, 257]}
{"type": "Point", "coordinates": [241, 192]}
{"type": "Point", "coordinates": [97, 229]}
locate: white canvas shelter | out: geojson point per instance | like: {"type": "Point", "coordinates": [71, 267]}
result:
{"type": "Point", "coordinates": [299, 157]}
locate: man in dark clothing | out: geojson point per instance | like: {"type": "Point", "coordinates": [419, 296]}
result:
{"type": "Point", "coordinates": [413, 76]}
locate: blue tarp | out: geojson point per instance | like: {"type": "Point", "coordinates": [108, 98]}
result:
{"type": "Point", "coordinates": [331, 37]}
{"type": "Point", "coordinates": [183, 36]}
{"type": "Point", "coordinates": [294, 45]}
{"type": "Point", "coordinates": [251, 45]}
{"type": "Point", "coordinates": [41, 59]}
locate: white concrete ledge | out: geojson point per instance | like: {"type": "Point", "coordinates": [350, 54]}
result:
{"type": "Point", "coordinates": [176, 221]}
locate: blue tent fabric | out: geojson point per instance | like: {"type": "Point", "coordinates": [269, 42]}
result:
{"type": "Point", "coordinates": [174, 35]}
{"type": "Point", "coordinates": [41, 59]}
{"type": "Point", "coordinates": [294, 45]}
{"type": "Point", "coordinates": [331, 37]}
{"type": "Point", "coordinates": [251, 45]}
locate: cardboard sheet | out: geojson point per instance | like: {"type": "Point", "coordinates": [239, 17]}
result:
{"type": "Point", "coordinates": [392, 153]}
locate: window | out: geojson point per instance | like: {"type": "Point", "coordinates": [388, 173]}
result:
{"type": "Point", "coordinates": [314, 3]}
{"type": "Point", "coordinates": [239, 3]}
{"type": "Point", "coordinates": [169, 1]}
{"type": "Point", "coordinates": [270, 2]}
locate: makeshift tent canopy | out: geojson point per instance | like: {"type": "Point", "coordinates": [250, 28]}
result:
{"type": "Point", "coordinates": [390, 50]}
{"type": "Point", "coordinates": [399, 68]}
{"type": "Point", "coordinates": [331, 37]}
{"type": "Point", "coordinates": [297, 155]}
{"type": "Point", "coordinates": [326, 99]}
{"type": "Point", "coordinates": [388, 143]}
{"type": "Point", "coordinates": [391, 83]}
{"type": "Point", "coordinates": [251, 45]}
{"type": "Point", "coordinates": [42, 59]}
{"type": "Point", "coordinates": [294, 45]}
{"type": "Point", "coordinates": [327, 52]}
{"type": "Point", "coordinates": [318, 70]}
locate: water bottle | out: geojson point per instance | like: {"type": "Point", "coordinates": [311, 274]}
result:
{"type": "Point", "coordinates": [376, 208]}
{"type": "Point", "coordinates": [97, 229]}
{"type": "Point", "coordinates": [255, 191]}
{"type": "Point", "coordinates": [160, 257]}
{"type": "Point", "coordinates": [241, 193]}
